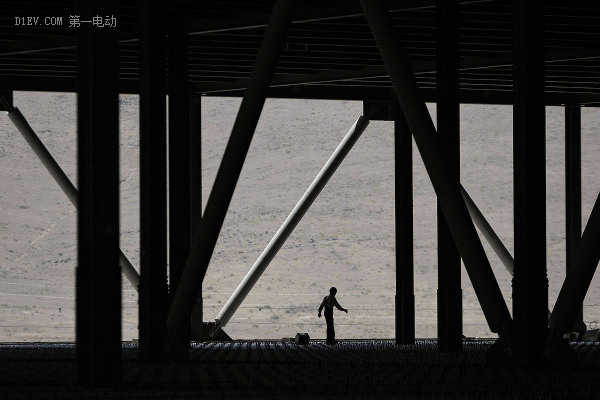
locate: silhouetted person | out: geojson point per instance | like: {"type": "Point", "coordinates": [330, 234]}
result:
{"type": "Point", "coordinates": [328, 303]}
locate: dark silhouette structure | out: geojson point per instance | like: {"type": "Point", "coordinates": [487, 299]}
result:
{"type": "Point", "coordinates": [328, 303]}
{"type": "Point", "coordinates": [361, 369]}
{"type": "Point", "coordinates": [393, 55]}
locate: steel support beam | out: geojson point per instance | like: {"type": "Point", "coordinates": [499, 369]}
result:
{"type": "Point", "coordinates": [427, 140]}
{"type": "Point", "coordinates": [180, 221]}
{"type": "Point", "coordinates": [197, 329]}
{"type": "Point", "coordinates": [61, 178]}
{"type": "Point", "coordinates": [488, 233]}
{"type": "Point", "coordinates": [582, 267]}
{"type": "Point", "coordinates": [405, 285]}
{"type": "Point", "coordinates": [228, 173]}
{"type": "Point", "coordinates": [449, 294]}
{"type": "Point", "coordinates": [289, 224]}
{"type": "Point", "coordinates": [530, 281]}
{"type": "Point", "coordinates": [154, 300]}
{"type": "Point", "coordinates": [573, 192]}
{"type": "Point", "coordinates": [98, 276]}
{"type": "Point", "coordinates": [573, 292]}
{"type": "Point", "coordinates": [578, 280]}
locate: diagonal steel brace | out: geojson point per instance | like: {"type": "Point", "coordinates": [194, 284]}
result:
{"type": "Point", "coordinates": [61, 178]}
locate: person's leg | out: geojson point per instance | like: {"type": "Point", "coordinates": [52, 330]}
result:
{"type": "Point", "coordinates": [330, 330]}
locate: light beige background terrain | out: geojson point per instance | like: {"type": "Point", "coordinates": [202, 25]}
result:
{"type": "Point", "coordinates": [346, 239]}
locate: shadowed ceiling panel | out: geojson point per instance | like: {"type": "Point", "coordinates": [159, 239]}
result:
{"type": "Point", "coordinates": [329, 52]}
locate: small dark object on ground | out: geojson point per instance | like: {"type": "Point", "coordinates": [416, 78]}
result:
{"type": "Point", "coordinates": [302, 338]}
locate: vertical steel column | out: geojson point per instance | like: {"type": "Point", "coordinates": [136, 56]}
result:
{"type": "Point", "coordinates": [179, 158]}
{"type": "Point", "coordinates": [229, 171]}
{"type": "Point", "coordinates": [98, 276]}
{"type": "Point", "coordinates": [405, 290]}
{"type": "Point", "coordinates": [530, 282]}
{"type": "Point", "coordinates": [449, 293]}
{"type": "Point", "coordinates": [197, 328]}
{"type": "Point", "coordinates": [153, 181]}
{"type": "Point", "coordinates": [573, 191]}
{"type": "Point", "coordinates": [460, 223]}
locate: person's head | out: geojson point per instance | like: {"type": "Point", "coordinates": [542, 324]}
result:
{"type": "Point", "coordinates": [332, 291]}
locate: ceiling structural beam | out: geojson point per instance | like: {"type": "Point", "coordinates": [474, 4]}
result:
{"type": "Point", "coordinates": [573, 192]}
{"type": "Point", "coordinates": [403, 201]}
{"type": "Point", "coordinates": [154, 297]}
{"type": "Point", "coordinates": [298, 79]}
{"type": "Point", "coordinates": [54, 43]}
{"type": "Point", "coordinates": [418, 67]}
{"type": "Point", "coordinates": [303, 15]}
{"type": "Point", "coordinates": [98, 276]}
{"type": "Point", "coordinates": [61, 178]}
{"type": "Point", "coordinates": [488, 76]}
{"type": "Point", "coordinates": [365, 93]}
{"type": "Point", "coordinates": [47, 83]}
{"type": "Point", "coordinates": [449, 292]}
{"type": "Point", "coordinates": [427, 140]}
{"type": "Point", "coordinates": [49, 43]}
{"type": "Point", "coordinates": [228, 173]}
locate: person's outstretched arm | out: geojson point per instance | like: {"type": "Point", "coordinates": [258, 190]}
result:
{"type": "Point", "coordinates": [337, 305]}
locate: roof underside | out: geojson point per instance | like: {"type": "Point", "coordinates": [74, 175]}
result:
{"type": "Point", "coordinates": [329, 53]}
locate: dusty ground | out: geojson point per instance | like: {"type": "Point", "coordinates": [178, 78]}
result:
{"type": "Point", "coordinates": [346, 239]}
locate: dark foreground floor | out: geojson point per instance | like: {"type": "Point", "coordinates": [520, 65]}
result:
{"type": "Point", "coordinates": [352, 369]}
